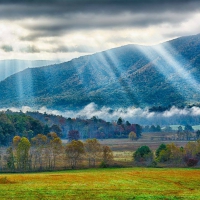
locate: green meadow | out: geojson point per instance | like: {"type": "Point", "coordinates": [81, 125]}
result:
{"type": "Point", "coordinates": [123, 183]}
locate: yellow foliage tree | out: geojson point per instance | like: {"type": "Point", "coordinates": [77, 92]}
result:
{"type": "Point", "coordinates": [132, 136]}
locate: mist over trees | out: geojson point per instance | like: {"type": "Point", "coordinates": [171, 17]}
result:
{"type": "Point", "coordinates": [30, 124]}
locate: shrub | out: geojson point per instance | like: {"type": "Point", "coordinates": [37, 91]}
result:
{"type": "Point", "coordinates": [143, 154]}
{"type": "Point", "coordinates": [103, 165]}
{"type": "Point", "coordinates": [192, 162]}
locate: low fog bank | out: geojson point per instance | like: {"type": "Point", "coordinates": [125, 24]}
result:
{"type": "Point", "coordinates": [133, 115]}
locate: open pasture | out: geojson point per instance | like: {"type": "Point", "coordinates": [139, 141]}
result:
{"type": "Point", "coordinates": [128, 145]}
{"type": "Point", "coordinates": [129, 183]}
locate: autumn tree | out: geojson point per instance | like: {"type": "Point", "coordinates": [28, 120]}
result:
{"type": "Point", "coordinates": [192, 152]}
{"type": "Point", "coordinates": [93, 151]}
{"type": "Point", "coordinates": [16, 141]}
{"type": "Point", "coordinates": [132, 136]}
{"type": "Point", "coordinates": [39, 143]}
{"type": "Point", "coordinates": [74, 151]}
{"type": "Point", "coordinates": [56, 146]}
{"type": "Point", "coordinates": [107, 155]}
{"type": "Point", "coordinates": [23, 148]}
{"type": "Point", "coordinates": [176, 154]}
{"type": "Point", "coordinates": [170, 153]}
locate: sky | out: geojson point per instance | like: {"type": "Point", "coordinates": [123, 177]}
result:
{"type": "Point", "coordinates": [64, 29]}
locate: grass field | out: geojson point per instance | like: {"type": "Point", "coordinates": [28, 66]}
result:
{"type": "Point", "coordinates": [129, 183]}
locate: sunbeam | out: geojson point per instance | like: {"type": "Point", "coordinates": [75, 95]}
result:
{"type": "Point", "coordinates": [123, 81]}
{"type": "Point", "coordinates": [162, 65]}
{"type": "Point", "coordinates": [176, 66]}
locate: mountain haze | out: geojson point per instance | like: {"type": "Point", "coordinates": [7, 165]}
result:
{"type": "Point", "coordinates": [10, 67]}
{"type": "Point", "coordinates": [132, 75]}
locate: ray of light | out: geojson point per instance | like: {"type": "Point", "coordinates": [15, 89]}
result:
{"type": "Point", "coordinates": [176, 65]}
{"type": "Point", "coordinates": [162, 64]}
{"type": "Point", "coordinates": [123, 81]}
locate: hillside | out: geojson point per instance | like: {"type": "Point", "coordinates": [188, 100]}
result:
{"type": "Point", "coordinates": [131, 75]}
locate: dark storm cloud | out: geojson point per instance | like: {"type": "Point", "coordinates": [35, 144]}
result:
{"type": "Point", "coordinates": [58, 17]}
{"type": "Point", "coordinates": [79, 21]}
{"type": "Point", "coordinates": [34, 8]}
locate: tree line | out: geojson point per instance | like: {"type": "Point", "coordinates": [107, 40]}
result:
{"type": "Point", "coordinates": [33, 123]}
{"type": "Point", "coordinates": [12, 124]}
{"type": "Point", "coordinates": [168, 155]}
{"type": "Point", "coordinates": [46, 152]}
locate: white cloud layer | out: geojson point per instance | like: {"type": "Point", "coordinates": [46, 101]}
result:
{"type": "Point", "coordinates": [134, 115]}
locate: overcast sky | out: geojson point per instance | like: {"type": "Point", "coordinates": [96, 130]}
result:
{"type": "Point", "coordinates": [64, 29]}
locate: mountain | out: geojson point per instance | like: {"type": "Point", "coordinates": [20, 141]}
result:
{"type": "Point", "coordinates": [9, 67]}
{"type": "Point", "coordinates": [132, 75]}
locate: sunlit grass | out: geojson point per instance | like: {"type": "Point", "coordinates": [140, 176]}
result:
{"type": "Point", "coordinates": [132, 183]}
{"type": "Point", "coordinates": [123, 155]}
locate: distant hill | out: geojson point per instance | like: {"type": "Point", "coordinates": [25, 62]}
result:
{"type": "Point", "coordinates": [131, 75]}
{"type": "Point", "coordinates": [10, 67]}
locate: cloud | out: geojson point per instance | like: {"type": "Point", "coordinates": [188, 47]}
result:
{"type": "Point", "coordinates": [58, 17]}
{"type": "Point", "coordinates": [69, 48]}
{"type": "Point", "coordinates": [133, 115]}
{"type": "Point", "coordinates": [7, 48]}
{"type": "Point", "coordinates": [30, 49]}
{"type": "Point", "coordinates": [39, 22]}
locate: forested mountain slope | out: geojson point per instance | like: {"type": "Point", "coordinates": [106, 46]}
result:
{"type": "Point", "coordinates": [131, 75]}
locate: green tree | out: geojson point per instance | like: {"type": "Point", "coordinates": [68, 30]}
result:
{"type": "Point", "coordinates": [46, 129]}
{"type": "Point", "coordinates": [143, 154]}
{"type": "Point", "coordinates": [119, 121]}
{"type": "Point", "coordinates": [152, 128]}
{"type": "Point", "coordinates": [158, 128]}
{"type": "Point", "coordinates": [188, 128]}
{"type": "Point", "coordinates": [198, 134]}
{"type": "Point", "coordinates": [160, 148]}
{"type": "Point", "coordinates": [56, 129]}
{"type": "Point", "coordinates": [10, 159]}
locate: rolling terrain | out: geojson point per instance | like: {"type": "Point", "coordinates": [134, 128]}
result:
{"type": "Point", "coordinates": [132, 75]}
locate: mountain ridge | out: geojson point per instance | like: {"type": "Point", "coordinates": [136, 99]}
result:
{"type": "Point", "coordinates": [132, 75]}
